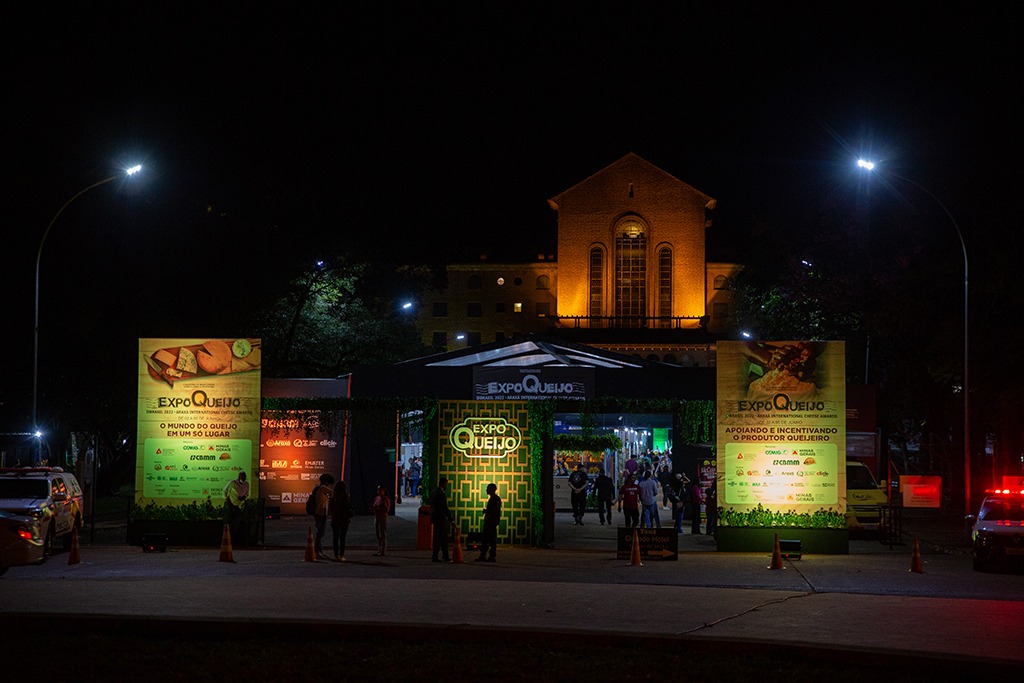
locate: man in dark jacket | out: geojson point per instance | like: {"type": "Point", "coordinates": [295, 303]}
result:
{"type": "Point", "coordinates": [492, 515]}
{"type": "Point", "coordinates": [441, 519]}
{"type": "Point", "coordinates": [605, 495]}
{"type": "Point", "coordinates": [578, 482]}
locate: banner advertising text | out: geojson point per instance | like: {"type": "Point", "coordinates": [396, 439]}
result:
{"type": "Point", "coordinates": [198, 418]}
{"type": "Point", "coordinates": [782, 434]}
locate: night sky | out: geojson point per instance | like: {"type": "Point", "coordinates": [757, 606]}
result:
{"type": "Point", "coordinates": [431, 131]}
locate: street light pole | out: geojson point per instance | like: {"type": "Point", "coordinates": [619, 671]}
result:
{"type": "Point", "coordinates": [39, 258]}
{"type": "Point", "coordinates": [869, 166]}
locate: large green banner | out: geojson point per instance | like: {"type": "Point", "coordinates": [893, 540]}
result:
{"type": "Point", "coordinates": [481, 442]}
{"type": "Point", "coordinates": [782, 434]}
{"type": "Point", "coordinates": [198, 419]}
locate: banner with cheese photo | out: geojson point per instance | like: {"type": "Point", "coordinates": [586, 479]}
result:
{"type": "Point", "coordinates": [198, 418]}
{"type": "Point", "coordinates": [781, 434]}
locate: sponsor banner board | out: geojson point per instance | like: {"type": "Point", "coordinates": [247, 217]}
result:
{"type": "Point", "coordinates": [198, 418]}
{"type": "Point", "coordinates": [781, 433]}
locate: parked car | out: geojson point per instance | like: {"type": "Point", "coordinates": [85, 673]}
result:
{"type": "Point", "coordinates": [997, 533]}
{"type": "Point", "coordinates": [21, 541]}
{"type": "Point", "coordinates": [48, 495]}
{"type": "Point", "coordinates": [865, 498]}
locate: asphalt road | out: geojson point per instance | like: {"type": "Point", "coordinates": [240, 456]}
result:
{"type": "Point", "coordinates": [865, 602]}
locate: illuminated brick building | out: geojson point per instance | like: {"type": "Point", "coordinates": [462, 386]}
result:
{"type": "Point", "coordinates": [631, 275]}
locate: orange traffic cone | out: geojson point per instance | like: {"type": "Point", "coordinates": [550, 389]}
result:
{"type": "Point", "coordinates": [777, 556]}
{"type": "Point", "coordinates": [915, 560]}
{"type": "Point", "coordinates": [75, 556]}
{"type": "Point", "coordinates": [457, 550]}
{"type": "Point", "coordinates": [225, 545]}
{"type": "Point", "coordinates": [310, 551]}
{"type": "Point", "coordinates": [634, 557]}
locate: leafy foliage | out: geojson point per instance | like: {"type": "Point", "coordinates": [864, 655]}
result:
{"type": "Point", "coordinates": [336, 316]}
{"type": "Point", "coordinates": [760, 517]}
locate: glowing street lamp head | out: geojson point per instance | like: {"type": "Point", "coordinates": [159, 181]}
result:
{"type": "Point", "coordinates": [134, 169]}
{"type": "Point", "coordinates": [865, 164]}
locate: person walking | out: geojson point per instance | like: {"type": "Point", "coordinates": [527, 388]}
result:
{"type": "Point", "coordinates": [441, 519]}
{"type": "Point", "coordinates": [235, 495]}
{"type": "Point", "coordinates": [605, 495]}
{"type": "Point", "coordinates": [649, 501]}
{"type": "Point", "coordinates": [415, 473]}
{"type": "Point", "coordinates": [342, 513]}
{"type": "Point", "coordinates": [321, 509]}
{"type": "Point", "coordinates": [629, 502]}
{"type": "Point", "coordinates": [492, 515]}
{"type": "Point", "coordinates": [381, 508]}
{"type": "Point", "coordinates": [578, 481]}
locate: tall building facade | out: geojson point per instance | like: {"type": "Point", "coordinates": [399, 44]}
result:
{"type": "Point", "coordinates": [631, 275]}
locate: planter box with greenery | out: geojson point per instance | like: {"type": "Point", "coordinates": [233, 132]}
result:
{"type": "Point", "coordinates": [193, 524]}
{"type": "Point", "coordinates": [823, 532]}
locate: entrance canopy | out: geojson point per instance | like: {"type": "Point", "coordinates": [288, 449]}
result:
{"type": "Point", "coordinates": [533, 353]}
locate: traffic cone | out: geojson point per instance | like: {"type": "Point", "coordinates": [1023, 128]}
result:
{"type": "Point", "coordinates": [225, 545]}
{"type": "Point", "coordinates": [457, 550]}
{"type": "Point", "coordinates": [777, 556]}
{"type": "Point", "coordinates": [310, 551]}
{"type": "Point", "coordinates": [75, 555]}
{"type": "Point", "coordinates": [634, 558]}
{"type": "Point", "coordinates": [915, 560]}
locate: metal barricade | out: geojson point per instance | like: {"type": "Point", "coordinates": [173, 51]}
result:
{"type": "Point", "coordinates": [890, 525]}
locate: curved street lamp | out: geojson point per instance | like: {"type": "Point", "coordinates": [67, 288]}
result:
{"type": "Point", "coordinates": [39, 257]}
{"type": "Point", "coordinates": [870, 166]}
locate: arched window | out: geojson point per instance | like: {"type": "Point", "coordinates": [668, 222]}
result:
{"type": "Point", "coordinates": [596, 308]}
{"type": "Point", "coordinates": [631, 272]}
{"type": "Point", "coordinates": [721, 282]}
{"type": "Point", "coordinates": [543, 282]}
{"type": "Point", "coordinates": [664, 287]}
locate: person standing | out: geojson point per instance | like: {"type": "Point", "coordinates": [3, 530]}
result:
{"type": "Point", "coordinates": [665, 479]}
{"type": "Point", "coordinates": [381, 508]}
{"type": "Point", "coordinates": [629, 502]}
{"type": "Point", "coordinates": [605, 495]}
{"type": "Point", "coordinates": [415, 472]}
{"type": "Point", "coordinates": [342, 513]}
{"type": "Point", "coordinates": [235, 495]}
{"type": "Point", "coordinates": [682, 500]}
{"type": "Point", "coordinates": [649, 501]}
{"type": "Point", "coordinates": [578, 481]}
{"type": "Point", "coordinates": [321, 510]}
{"type": "Point", "coordinates": [441, 519]}
{"type": "Point", "coordinates": [711, 505]}
{"type": "Point", "coordinates": [492, 515]}
{"type": "Point", "coordinates": [400, 476]}
{"type": "Point", "coordinates": [696, 500]}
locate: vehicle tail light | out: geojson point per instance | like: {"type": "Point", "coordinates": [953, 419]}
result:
{"type": "Point", "coordinates": [25, 533]}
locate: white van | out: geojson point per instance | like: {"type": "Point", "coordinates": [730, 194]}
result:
{"type": "Point", "coordinates": [865, 498]}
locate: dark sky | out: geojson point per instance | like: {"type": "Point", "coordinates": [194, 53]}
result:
{"type": "Point", "coordinates": [441, 129]}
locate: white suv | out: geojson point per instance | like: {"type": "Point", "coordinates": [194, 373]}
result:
{"type": "Point", "coordinates": [49, 495]}
{"type": "Point", "coordinates": [997, 536]}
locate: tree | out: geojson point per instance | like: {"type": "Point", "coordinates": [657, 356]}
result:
{"type": "Point", "coordinates": [337, 315]}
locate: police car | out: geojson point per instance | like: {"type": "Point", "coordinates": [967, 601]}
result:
{"type": "Point", "coordinates": [997, 536]}
{"type": "Point", "coordinates": [48, 495]}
